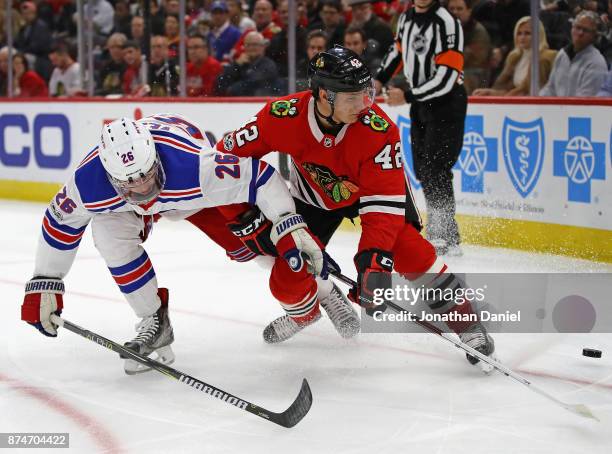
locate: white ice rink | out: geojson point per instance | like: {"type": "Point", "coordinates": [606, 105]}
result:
{"type": "Point", "coordinates": [395, 393]}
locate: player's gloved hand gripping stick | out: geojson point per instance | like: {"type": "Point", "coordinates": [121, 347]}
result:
{"type": "Point", "coordinates": [289, 237]}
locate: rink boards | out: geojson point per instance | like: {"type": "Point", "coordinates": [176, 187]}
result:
{"type": "Point", "coordinates": [531, 175]}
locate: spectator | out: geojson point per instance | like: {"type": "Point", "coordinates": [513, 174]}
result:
{"type": "Point", "coordinates": [557, 25]}
{"type": "Point", "coordinates": [223, 35]}
{"type": "Point", "coordinates": [515, 78]}
{"type": "Point", "coordinates": [171, 31]}
{"type": "Point", "coordinates": [373, 26]}
{"type": "Point", "coordinates": [110, 80]}
{"type": "Point", "coordinates": [16, 22]}
{"type": "Point", "coordinates": [27, 83]}
{"type": "Point", "coordinates": [123, 18]}
{"type": "Point", "coordinates": [103, 16]}
{"type": "Point", "coordinates": [34, 39]}
{"type": "Point", "coordinates": [477, 45]}
{"type": "Point", "coordinates": [66, 76]}
{"type": "Point", "coordinates": [163, 74]}
{"type": "Point", "coordinates": [355, 40]}
{"type": "Point", "coordinates": [313, 10]}
{"type": "Point", "coordinates": [331, 22]}
{"type": "Point", "coordinates": [202, 68]}
{"type": "Point", "coordinates": [262, 15]}
{"type": "Point", "coordinates": [499, 17]}
{"type": "Point", "coordinates": [252, 74]}
{"type": "Point", "coordinates": [65, 25]}
{"type": "Point", "coordinates": [606, 88]}
{"type": "Point", "coordinates": [133, 77]}
{"type": "Point", "coordinates": [301, 13]}
{"type": "Point", "coordinates": [158, 17]}
{"type": "Point", "coordinates": [579, 69]}
{"type": "Point", "coordinates": [172, 7]}
{"type": "Point", "coordinates": [194, 12]}
{"type": "Point", "coordinates": [605, 44]}
{"type": "Point", "coordinates": [316, 41]}
{"type": "Point", "coordinates": [238, 17]}
{"type": "Point", "coordinates": [4, 51]}
{"type": "Point", "coordinates": [202, 27]}
{"type": "Point", "coordinates": [137, 30]}
{"type": "Point", "coordinates": [277, 50]}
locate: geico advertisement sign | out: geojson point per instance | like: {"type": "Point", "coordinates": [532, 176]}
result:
{"type": "Point", "coordinates": [44, 138]}
{"type": "Point", "coordinates": [42, 142]}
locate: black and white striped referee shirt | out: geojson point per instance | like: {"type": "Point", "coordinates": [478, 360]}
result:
{"type": "Point", "coordinates": [429, 47]}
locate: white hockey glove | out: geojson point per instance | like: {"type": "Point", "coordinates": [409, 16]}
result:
{"type": "Point", "coordinates": [298, 246]}
{"type": "Point", "coordinates": [43, 297]}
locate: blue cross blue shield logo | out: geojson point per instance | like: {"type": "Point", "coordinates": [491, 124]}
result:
{"type": "Point", "coordinates": [523, 149]}
{"type": "Point", "coordinates": [404, 126]}
{"type": "Point", "coordinates": [579, 159]}
{"type": "Point", "coordinates": [478, 155]}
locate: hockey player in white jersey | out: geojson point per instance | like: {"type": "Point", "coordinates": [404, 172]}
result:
{"type": "Point", "coordinates": [159, 165]}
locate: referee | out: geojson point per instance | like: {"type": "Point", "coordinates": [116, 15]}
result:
{"type": "Point", "coordinates": [429, 49]}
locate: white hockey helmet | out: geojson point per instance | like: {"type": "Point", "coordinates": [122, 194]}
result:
{"type": "Point", "coordinates": [128, 154]}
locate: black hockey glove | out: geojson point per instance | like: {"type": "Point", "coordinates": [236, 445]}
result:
{"type": "Point", "coordinates": [374, 267]}
{"type": "Point", "coordinates": [253, 229]}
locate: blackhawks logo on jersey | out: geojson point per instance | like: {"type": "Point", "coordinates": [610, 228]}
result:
{"type": "Point", "coordinates": [375, 121]}
{"type": "Point", "coordinates": [337, 188]}
{"type": "Point", "coordinates": [284, 108]}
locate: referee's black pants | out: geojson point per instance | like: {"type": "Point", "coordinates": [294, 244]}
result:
{"type": "Point", "coordinates": [436, 135]}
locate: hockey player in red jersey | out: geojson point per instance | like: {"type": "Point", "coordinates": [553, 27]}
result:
{"type": "Point", "coordinates": [345, 163]}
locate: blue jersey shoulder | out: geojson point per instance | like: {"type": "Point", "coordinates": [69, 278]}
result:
{"type": "Point", "coordinates": [97, 194]}
{"type": "Point", "coordinates": [180, 159]}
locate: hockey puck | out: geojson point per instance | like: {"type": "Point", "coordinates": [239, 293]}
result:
{"type": "Point", "coordinates": [591, 353]}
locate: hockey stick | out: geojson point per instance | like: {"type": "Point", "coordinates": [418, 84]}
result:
{"type": "Point", "coordinates": [288, 418]}
{"type": "Point", "coordinates": [578, 409]}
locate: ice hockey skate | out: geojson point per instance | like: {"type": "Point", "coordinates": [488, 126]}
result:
{"type": "Point", "coordinates": [340, 310]}
{"type": "Point", "coordinates": [476, 336]}
{"type": "Point", "coordinates": [284, 328]}
{"type": "Point", "coordinates": [155, 334]}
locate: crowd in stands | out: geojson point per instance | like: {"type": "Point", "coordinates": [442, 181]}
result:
{"type": "Point", "coordinates": [239, 47]}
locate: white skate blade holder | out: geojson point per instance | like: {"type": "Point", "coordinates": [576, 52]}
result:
{"type": "Point", "coordinates": [164, 355]}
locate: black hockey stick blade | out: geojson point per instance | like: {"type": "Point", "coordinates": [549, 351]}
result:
{"type": "Point", "coordinates": [288, 418]}
{"type": "Point", "coordinates": [296, 411]}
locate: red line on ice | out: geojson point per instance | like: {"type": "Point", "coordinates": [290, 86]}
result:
{"type": "Point", "coordinates": [577, 381]}
{"type": "Point", "coordinates": [101, 436]}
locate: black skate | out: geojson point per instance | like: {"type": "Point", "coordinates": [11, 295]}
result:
{"type": "Point", "coordinates": [341, 312]}
{"type": "Point", "coordinates": [284, 328]}
{"type": "Point", "coordinates": [155, 334]}
{"type": "Point", "coordinates": [476, 336]}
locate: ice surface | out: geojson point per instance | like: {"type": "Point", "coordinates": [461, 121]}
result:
{"type": "Point", "coordinates": [377, 393]}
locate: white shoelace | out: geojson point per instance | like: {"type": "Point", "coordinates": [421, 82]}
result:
{"type": "Point", "coordinates": [336, 307]}
{"type": "Point", "coordinates": [473, 339]}
{"type": "Point", "coordinates": [147, 328]}
{"type": "Point", "coordinates": [285, 327]}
